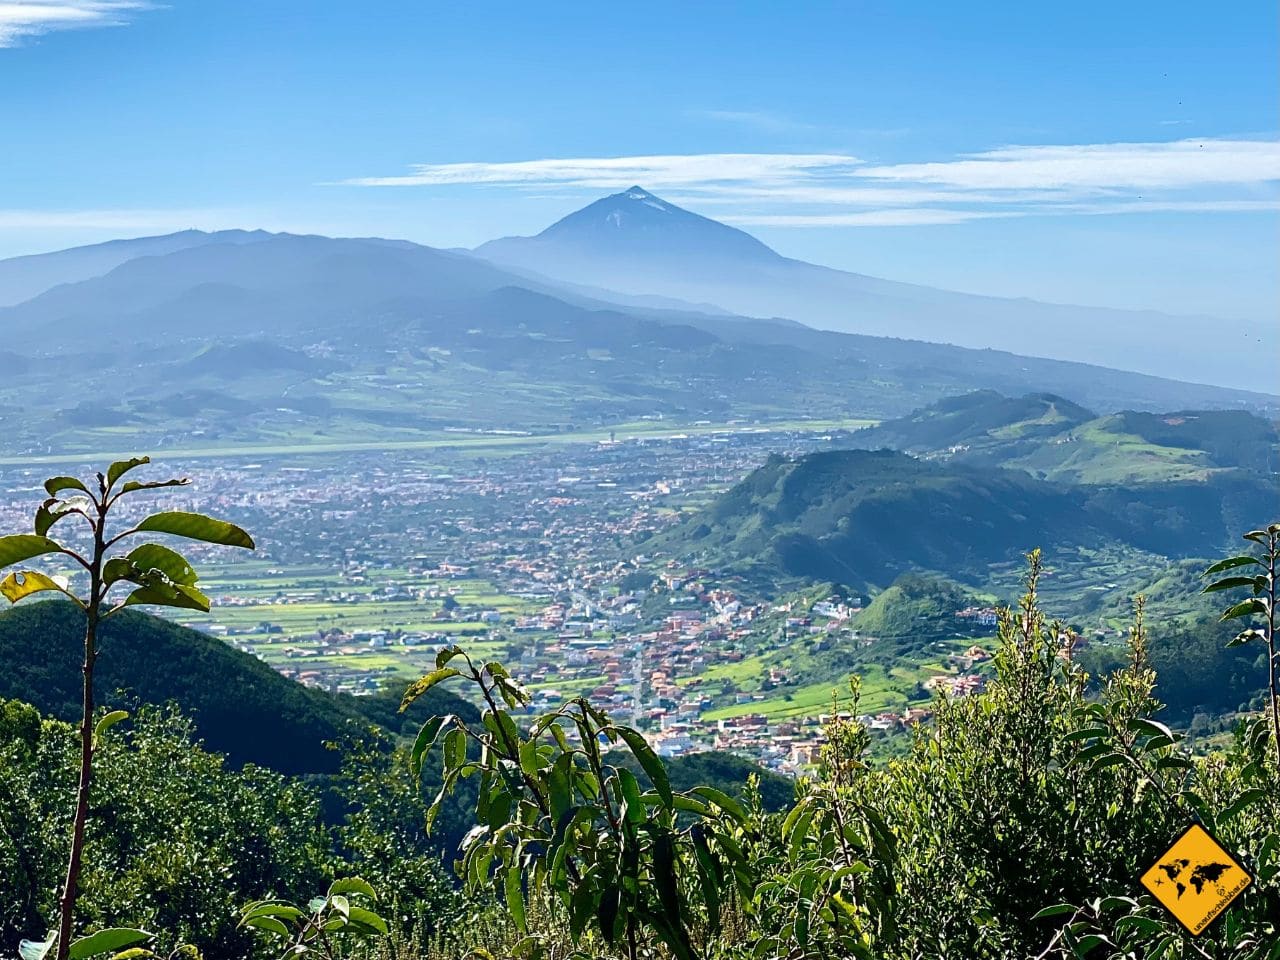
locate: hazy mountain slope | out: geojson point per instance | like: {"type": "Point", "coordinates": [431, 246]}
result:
{"type": "Point", "coordinates": [863, 517]}
{"type": "Point", "coordinates": [22, 278]}
{"type": "Point", "coordinates": [280, 284]}
{"type": "Point", "coordinates": [241, 707]}
{"type": "Point", "coordinates": [336, 339]}
{"type": "Point", "coordinates": [637, 243]}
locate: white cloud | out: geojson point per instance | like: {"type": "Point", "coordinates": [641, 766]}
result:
{"type": "Point", "coordinates": [20, 19]}
{"type": "Point", "coordinates": [1230, 175]}
{"type": "Point", "coordinates": [1182, 163]}
{"type": "Point", "coordinates": [891, 217]}
{"type": "Point", "coordinates": [604, 172]}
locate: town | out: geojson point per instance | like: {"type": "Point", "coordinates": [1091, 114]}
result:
{"type": "Point", "coordinates": [537, 558]}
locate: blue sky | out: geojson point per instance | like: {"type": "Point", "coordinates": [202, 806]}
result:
{"type": "Point", "coordinates": [1102, 153]}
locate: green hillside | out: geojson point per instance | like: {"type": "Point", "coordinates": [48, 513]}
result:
{"type": "Point", "coordinates": [915, 606]}
{"type": "Point", "coordinates": [862, 518]}
{"type": "Point", "coordinates": [1055, 439]}
{"type": "Point", "coordinates": [979, 420]}
{"type": "Point", "coordinates": [241, 707]}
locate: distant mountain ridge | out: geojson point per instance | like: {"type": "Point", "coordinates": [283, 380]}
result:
{"type": "Point", "coordinates": [243, 336]}
{"type": "Point", "coordinates": [22, 278]}
{"type": "Point", "coordinates": [635, 242]}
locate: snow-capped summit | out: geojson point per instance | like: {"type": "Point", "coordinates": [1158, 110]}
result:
{"type": "Point", "coordinates": [633, 223]}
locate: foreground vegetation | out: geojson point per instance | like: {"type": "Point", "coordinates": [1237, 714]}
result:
{"type": "Point", "coordinates": [1015, 825]}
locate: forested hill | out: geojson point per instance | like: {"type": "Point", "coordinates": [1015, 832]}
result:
{"type": "Point", "coordinates": [1053, 438]}
{"type": "Point", "coordinates": [861, 518]}
{"type": "Point", "coordinates": [241, 707]}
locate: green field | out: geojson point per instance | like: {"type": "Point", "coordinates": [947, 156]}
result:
{"type": "Point", "coordinates": [488, 443]}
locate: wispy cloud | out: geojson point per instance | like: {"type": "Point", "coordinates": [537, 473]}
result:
{"type": "Point", "coordinates": [688, 170]}
{"type": "Point", "coordinates": [1225, 175]}
{"type": "Point", "coordinates": [1180, 164]}
{"type": "Point", "coordinates": [21, 19]}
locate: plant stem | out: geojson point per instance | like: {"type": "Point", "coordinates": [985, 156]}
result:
{"type": "Point", "coordinates": [1273, 549]}
{"type": "Point", "coordinates": [71, 888]}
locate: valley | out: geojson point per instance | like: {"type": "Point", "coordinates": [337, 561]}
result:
{"type": "Point", "coordinates": [593, 563]}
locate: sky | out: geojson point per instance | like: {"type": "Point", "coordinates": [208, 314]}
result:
{"type": "Point", "coordinates": [1119, 154]}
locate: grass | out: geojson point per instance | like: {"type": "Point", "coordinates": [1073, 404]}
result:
{"type": "Point", "coordinates": [879, 693]}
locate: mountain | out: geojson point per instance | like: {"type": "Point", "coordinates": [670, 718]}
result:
{"type": "Point", "coordinates": [1056, 439]}
{"type": "Point", "coordinates": [632, 226]}
{"type": "Point", "coordinates": [635, 242]}
{"type": "Point", "coordinates": [862, 518]}
{"type": "Point", "coordinates": [979, 419]}
{"type": "Point", "coordinates": [22, 278]}
{"type": "Point", "coordinates": [241, 707]}
{"type": "Point", "coordinates": [337, 339]}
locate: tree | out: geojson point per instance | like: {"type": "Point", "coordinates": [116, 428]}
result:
{"type": "Point", "coordinates": [1258, 573]}
{"type": "Point", "coordinates": [557, 823]}
{"type": "Point", "coordinates": [157, 575]}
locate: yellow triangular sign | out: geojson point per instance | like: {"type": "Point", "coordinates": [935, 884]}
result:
{"type": "Point", "coordinates": [1196, 879]}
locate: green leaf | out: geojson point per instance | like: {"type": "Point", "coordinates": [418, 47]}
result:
{"type": "Point", "coordinates": [421, 686]}
{"type": "Point", "coordinates": [723, 801]}
{"type": "Point", "coordinates": [133, 485]}
{"type": "Point", "coordinates": [109, 721]}
{"type": "Point", "coordinates": [121, 467]}
{"type": "Point", "coordinates": [106, 941]}
{"type": "Point", "coordinates": [23, 583]}
{"type": "Point", "coordinates": [1246, 608]}
{"type": "Point", "coordinates": [515, 897]}
{"type": "Point", "coordinates": [664, 871]}
{"type": "Point", "coordinates": [426, 739]}
{"type": "Point", "coordinates": [271, 908]}
{"type": "Point", "coordinates": [1240, 639]}
{"type": "Point", "coordinates": [630, 788]}
{"type": "Point", "coordinates": [24, 546]}
{"type": "Point", "coordinates": [270, 924]}
{"type": "Point", "coordinates": [1241, 803]}
{"type": "Point", "coordinates": [1139, 924]}
{"type": "Point", "coordinates": [53, 510]}
{"type": "Point", "coordinates": [347, 885]}
{"type": "Point", "coordinates": [360, 917]}
{"type": "Point", "coordinates": [169, 595]}
{"type": "Point", "coordinates": [1151, 728]}
{"type": "Point", "coordinates": [55, 485]}
{"type": "Point", "coordinates": [1230, 564]}
{"type": "Point", "coordinates": [152, 556]}
{"type": "Point", "coordinates": [1110, 760]}
{"type": "Point", "coordinates": [455, 748]}
{"type": "Point", "coordinates": [117, 569]}
{"type": "Point", "coordinates": [445, 654]}
{"type": "Point", "coordinates": [1057, 910]}
{"type": "Point", "coordinates": [607, 913]}
{"type": "Point", "coordinates": [653, 767]}
{"type": "Point", "coordinates": [1230, 583]}
{"type": "Point", "coordinates": [196, 526]}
